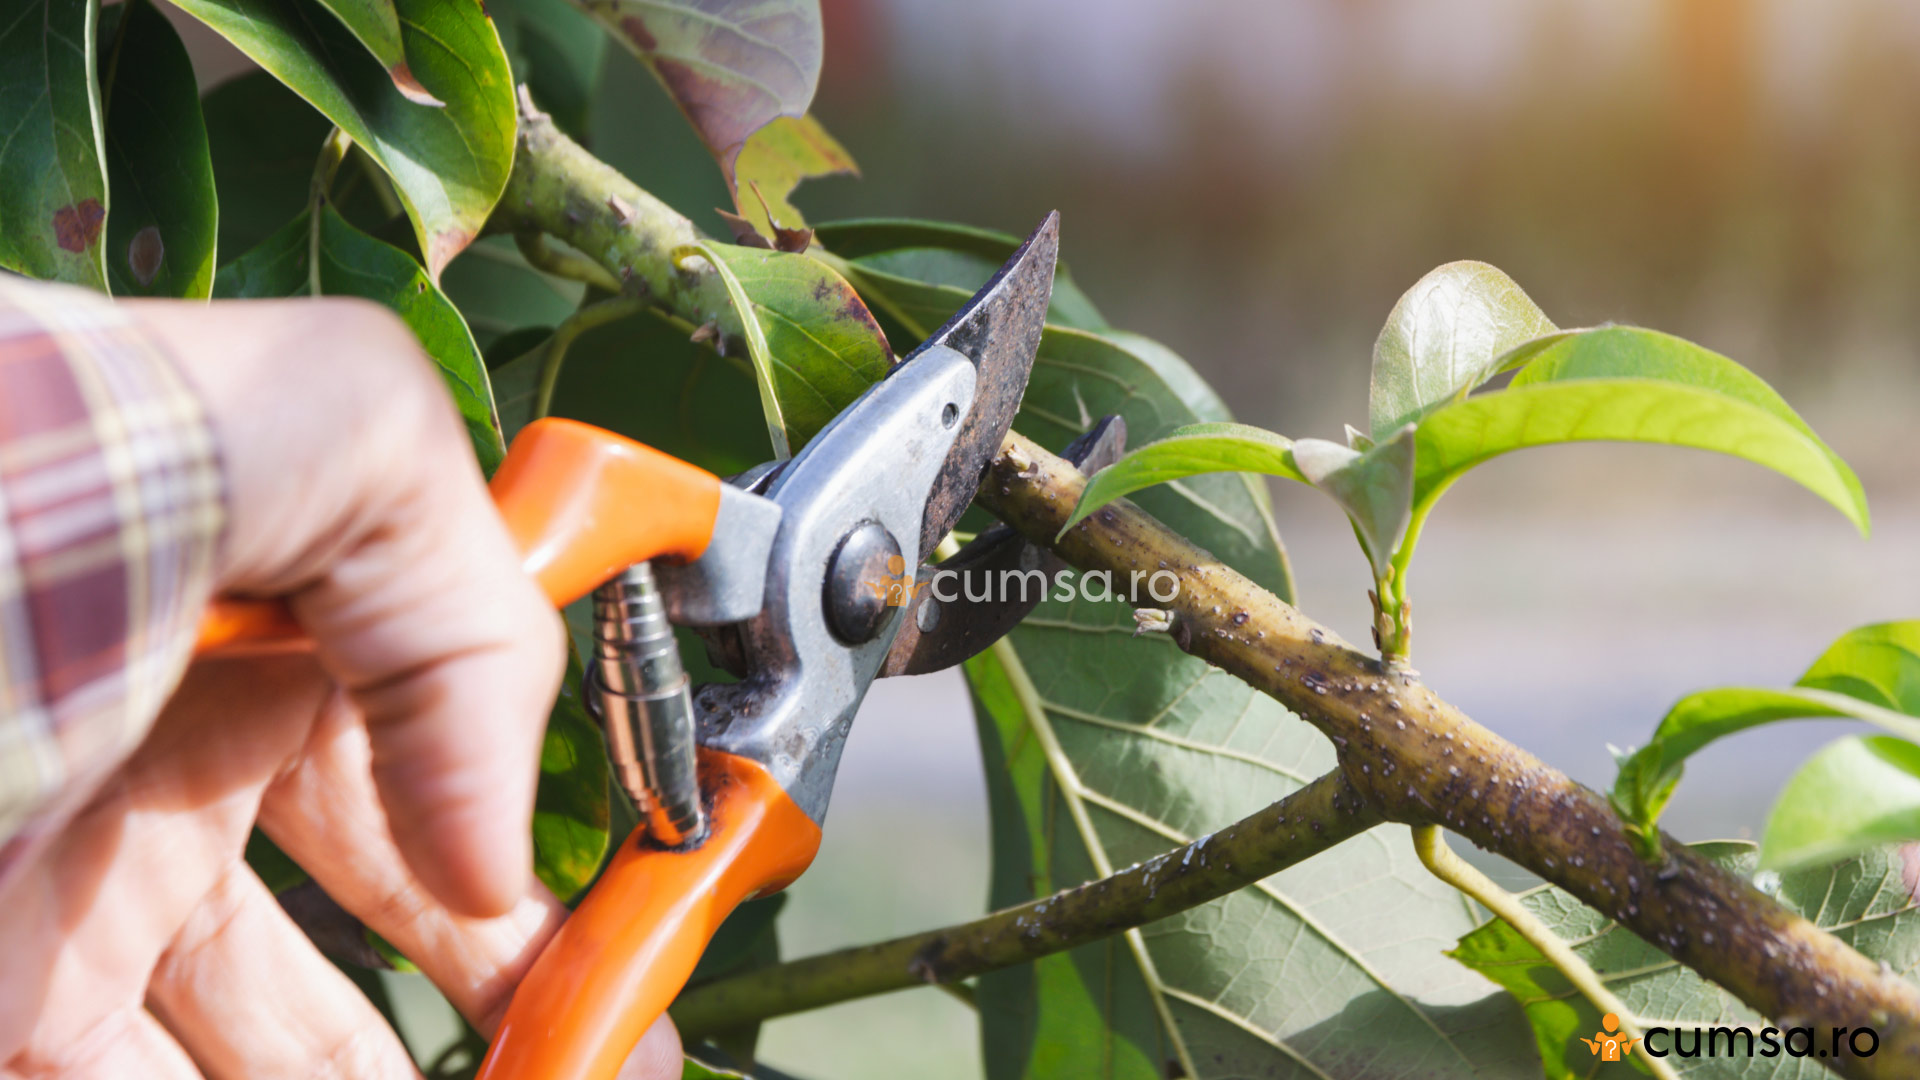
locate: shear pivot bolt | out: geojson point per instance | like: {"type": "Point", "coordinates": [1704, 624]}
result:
{"type": "Point", "coordinates": [866, 582]}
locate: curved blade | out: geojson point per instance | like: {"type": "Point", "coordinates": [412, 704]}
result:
{"type": "Point", "coordinates": [999, 330]}
{"type": "Point", "coordinates": [935, 635]}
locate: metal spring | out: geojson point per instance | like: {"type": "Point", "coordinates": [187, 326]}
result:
{"type": "Point", "coordinates": [639, 690]}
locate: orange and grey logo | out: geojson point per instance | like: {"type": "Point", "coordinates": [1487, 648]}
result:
{"type": "Point", "coordinates": [1610, 1044]}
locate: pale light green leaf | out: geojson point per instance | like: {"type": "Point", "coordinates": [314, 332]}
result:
{"type": "Point", "coordinates": [53, 175]}
{"type": "Point", "coordinates": [814, 345]}
{"type": "Point", "coordinates": [161, 227]}
{"type": "Point", "coordinates": [1871, 674]}
{"type": "Point", "coordinates": [1445, 336]}
{"type": "Point", "coordinates": [1374, 487]}
{"type": "Point", "coordinates": [1636, 385]}
{"type": "Point", "coordinates": [449, 163]}
{"type": "Point", "coordinates": [1864, 901]}
{"type": "Point", "coordinates": [732, 66]}
{"type": "Point", "coordinates": [773, 163]}
{"type": "Point", "coordinates": [352, 263]}
{"type": "Point", "coordinates": [1857, 793]}
{"type": "Point", "coordinates": [1188, 451]}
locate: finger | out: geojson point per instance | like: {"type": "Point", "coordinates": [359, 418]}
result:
{"type": "Point", "coordinates": [247, 995]}
{"type": "Point", "coordinates": [324, 813]}
{"type": "Point", "coordinates": [657, 1056]}
{"type": "Point", "coordinates": [364, 503]}
{"type": "Point", "coordinates": [126, 1042]}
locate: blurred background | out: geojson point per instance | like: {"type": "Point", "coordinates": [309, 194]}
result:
{"type": "Point", "coordinates": [1254, 182]}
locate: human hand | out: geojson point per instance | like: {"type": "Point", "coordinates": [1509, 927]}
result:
{"type": "Point", "coordinates": [396, 764]}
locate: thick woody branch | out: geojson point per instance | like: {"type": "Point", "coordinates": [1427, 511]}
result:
{"type": "Point", "coordinates": [1419, 760]}
{"type": "Point", "coordinates": [1309, 821]}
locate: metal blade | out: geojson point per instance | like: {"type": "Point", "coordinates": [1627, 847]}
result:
{"type": "Point", "coordinates": [999, 330]}
{"type": "Point", "coordinates": [935, 635]}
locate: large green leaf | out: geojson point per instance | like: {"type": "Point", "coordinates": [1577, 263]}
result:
{"type": "Point", "coordinates": [377, 25]}
{"type": "Point", "coordinates": [1104, 749]}
{"type": "Point", "coordinates": [732, 66]}
{"type": "Point", "coordinates": [1447, 335]}
{"type": "Point", "coordinates": [1863, 901]}
{"type": "Point", "coordinates": [1624, 384]}
{"type": "Point", "coordinates": [814, 345]}
{"type": "Point", "coordinates": [351, 263]}
{"type": "Point", "coordinates": [449, 163]}
{"type": "Point", "coordinates": [160, 232]}
{"type": "Point", "coordinates": [53, 177]}
{"type": "Point", "coordinates": [915, 274]}
{"type": "Point", "coordinates": [1871, 673]}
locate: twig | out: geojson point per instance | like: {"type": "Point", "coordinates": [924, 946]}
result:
{"type": "Point", "coordinates": [535, 249]}
{"type": "Point", "coordinates": [1303, 824]}
{"type": "Point", "coordinates": [1437, 857]}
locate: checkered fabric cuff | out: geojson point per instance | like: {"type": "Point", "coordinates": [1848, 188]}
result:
{"type": "Point", "coordinates": [111, 509]}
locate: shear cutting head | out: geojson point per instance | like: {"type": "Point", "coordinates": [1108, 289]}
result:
{"type": "Point", "coordinates": [867, 499]}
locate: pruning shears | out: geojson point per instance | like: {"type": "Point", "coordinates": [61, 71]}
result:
{"type": "Point", "coordinates": [794, 574]}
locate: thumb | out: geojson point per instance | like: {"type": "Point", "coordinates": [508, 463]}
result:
{"type": "Point", "coordinates": [353, 491]}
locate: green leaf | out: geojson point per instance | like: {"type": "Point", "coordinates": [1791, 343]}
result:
{"type": "Point", "coordinates": [1193, 450]}
{"type": "Point", "coordinates": [377, 25]}
{"type": "Point", "coordinates": [916, 274]}
{"type": "Point", "coordinates": [1624, 384]}
{"type": "Point", "coordinates": [559, 52]}
{"type": "Point", "coordinates": [53, 177]}
{"type": "Point", "coordinates": [1857, 793]}
{"type": "Point", "coordinates": [774, 162]}
{"type": "Point", "coordinates": [1871, 674]}
{"type": "Point", "coordinates": [1862, 901]}
{"type": "Point", "coordinates": [160, 231]}
{"type": "Point", "coordinates": [448, 164]}
{"type": "Point", "coordinates": [351, 263]}
{"type": "Point", "coordinates": [699, 1070]}
{"type": "Point", "coordinates": [571, 805]}
{"type": "Point", "coordinates": [814, 346]}
{"type": "Point", "coordinates": [1447, 335]}
{"type": "Point", "coordinates": [264, 141]}
{"type": "Point", "coordinates": [732, 66]}
{"type": "Point", "coordinates": [1374, 487]}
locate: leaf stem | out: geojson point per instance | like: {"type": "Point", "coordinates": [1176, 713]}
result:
{"type": "Point", "coordinates": [332, 152]}
{"type": "Point", "coordinates": [1431, 845]}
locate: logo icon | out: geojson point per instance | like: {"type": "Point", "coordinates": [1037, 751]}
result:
{"type": "Point", "coordinates": [896, 588]}
{"type": "Point", "coordinates": [1611, 1044]}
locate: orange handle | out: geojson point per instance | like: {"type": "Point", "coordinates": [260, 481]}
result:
{"type": "Point", "coordinates": [624, 954]}
{"type": "Point", "coordinates": [581, 503]}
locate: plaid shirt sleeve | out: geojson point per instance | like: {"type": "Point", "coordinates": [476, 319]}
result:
{"type": "Point", "coordinates": [111, 508]}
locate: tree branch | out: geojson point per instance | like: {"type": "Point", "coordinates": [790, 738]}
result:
{"type": "Point", "coordinates": [1407, 755]}
{"type": "Point", "coordinates": [1303, 824]}
{"type": "Point", "coordinates": [1418, 760]}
